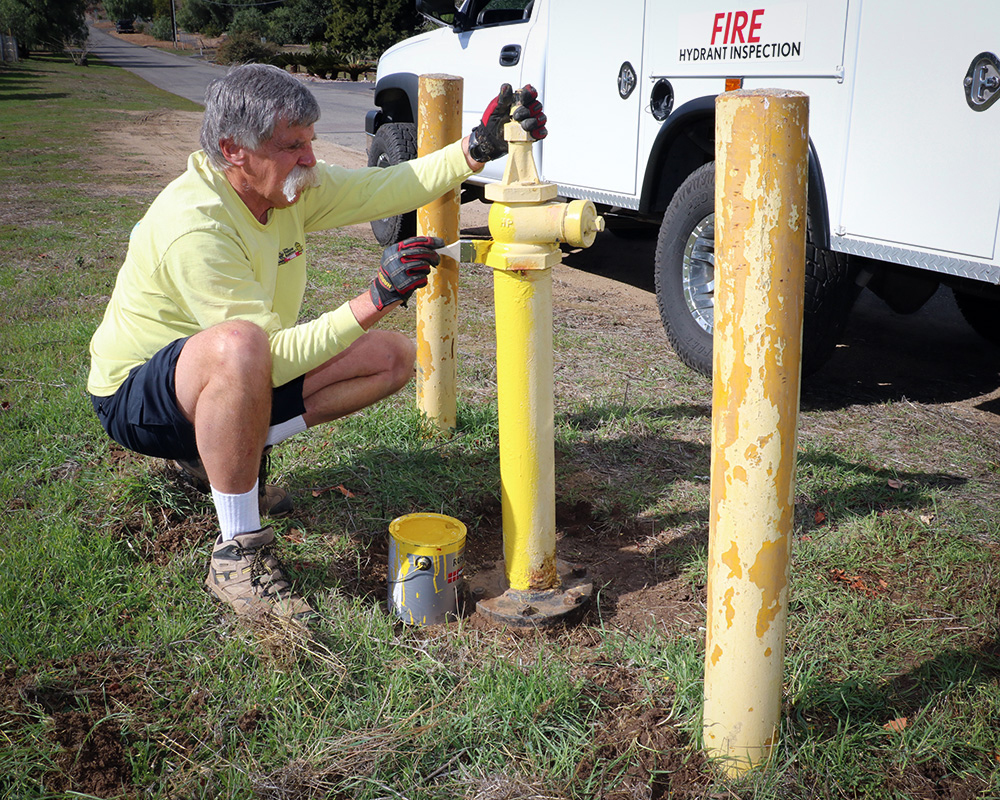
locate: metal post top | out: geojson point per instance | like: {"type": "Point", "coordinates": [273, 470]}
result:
{"type": "Point", "coordinates": [775, 93]}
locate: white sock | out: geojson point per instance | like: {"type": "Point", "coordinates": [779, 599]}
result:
{"type": "Point", "coordinates": [238, 513]}
{"type": "Point", "coordinates": [278, 433]}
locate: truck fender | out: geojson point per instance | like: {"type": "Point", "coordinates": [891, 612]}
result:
{"type": "Point", "coordinates": [395, 100]}
{"type": "Point", "coordinates": [686, 141]}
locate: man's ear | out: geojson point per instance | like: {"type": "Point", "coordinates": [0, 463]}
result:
{"type": "Point", "coordinates": [233, 153]}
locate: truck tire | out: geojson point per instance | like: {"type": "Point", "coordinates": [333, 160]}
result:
{"type": "Point", "coordinates": [685, 267]}
{"type": "Point", "coordinates": [981, 313]}
{"type": "Point", "coordinates": [392, 144]}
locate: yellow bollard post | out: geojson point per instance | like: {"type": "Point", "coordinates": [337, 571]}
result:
{"type": "Point", "coordinates": [760, 221]}
{"type": "Point", "coordinates": [439, 114]}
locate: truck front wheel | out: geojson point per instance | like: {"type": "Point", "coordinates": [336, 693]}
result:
{"type": "Point", "coordinates": [392, 144]}
{"type": "Point", "coordinates": [685, 281]}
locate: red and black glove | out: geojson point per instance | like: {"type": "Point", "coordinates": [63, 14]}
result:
{"type": "Point", "coordinates": [487, 142]}
{"type": "Point", "coordinates": [404, 269]}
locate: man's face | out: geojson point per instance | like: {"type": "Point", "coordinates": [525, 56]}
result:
{"type": "Point", "coordinates": [261, 175]}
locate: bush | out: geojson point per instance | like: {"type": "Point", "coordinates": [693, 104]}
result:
{"type": "Point", "coordinates": [162, 29]}
{"type": "Point", "coordinates": [326, 63]}
{"type": "Point", "coordinates": [208, 19]}
{"type": "Point", "coordinates": [249, 21]}
{"type": "Point", "coordinates": [244, 48]}
{"type": "Point", "coordinates": [298, 21]}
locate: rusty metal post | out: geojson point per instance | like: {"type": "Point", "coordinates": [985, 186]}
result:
{"type": "Point", "coordinates": [439, 123]}
{"type": "Point", "coordinates": [761, 173]}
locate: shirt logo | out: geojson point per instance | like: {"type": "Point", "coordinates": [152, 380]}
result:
{"type": "Point", "coordinates": [286, 255]}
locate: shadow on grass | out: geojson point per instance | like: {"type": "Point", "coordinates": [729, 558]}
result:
{"type": "Point", "coordinates": [929, 356]}
{"type": "Point", "coordinates": [16, 81]}
{"type": "Point", "coordinates": [826, 707]}
{"type": "Point", "coordinates": [11, 76]}
{"type": "Point", "coordinates": [632, 498]}
{"type": "Point", "coordinates": [869, 489]}
{"type": "Point", "coordinates": [939, 763]}
{"type": "Point", "coordinates": [30, 97]}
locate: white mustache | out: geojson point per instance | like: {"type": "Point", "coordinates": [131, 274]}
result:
{"type": "Point", "coordinates": [298, 179]}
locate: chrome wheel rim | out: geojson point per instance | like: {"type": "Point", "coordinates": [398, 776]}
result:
{"type": "Point", "coordinates": [698, 273]}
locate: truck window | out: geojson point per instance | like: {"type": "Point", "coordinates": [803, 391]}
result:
{"type": "Point", "coordinates": [498, 12]}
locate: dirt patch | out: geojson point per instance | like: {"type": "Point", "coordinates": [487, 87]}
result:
{"type": "Point", "coordinates": [661, 762]}
{"type": "Point", "coordinates": [92, 759]}
{"type": "Point", "coordinates": [93, 707]}
{"type": "Point", "coordinates": [154, 145]}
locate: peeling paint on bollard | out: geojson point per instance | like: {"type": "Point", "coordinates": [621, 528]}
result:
{"type": "Point", "coordinates": [439, 107]}
{"type": "Point", "coordinates": [761, 178]}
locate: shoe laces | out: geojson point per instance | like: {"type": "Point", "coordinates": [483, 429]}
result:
{"type": "Point", "coordinates": [265, 571]}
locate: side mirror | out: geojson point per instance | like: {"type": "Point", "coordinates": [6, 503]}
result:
{"type": "Point", "coordinates": [443, 12]}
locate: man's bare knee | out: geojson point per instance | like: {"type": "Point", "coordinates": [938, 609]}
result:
{"type": "Point", "coordinates": [239, 344]}
{"type": "Point", "coordinates": [402, 354]}
{"type": "Point", "coordinates": [236, 352]}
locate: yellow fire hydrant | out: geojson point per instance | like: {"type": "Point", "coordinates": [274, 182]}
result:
{"type": "Point", "coordinates": [528, 224]}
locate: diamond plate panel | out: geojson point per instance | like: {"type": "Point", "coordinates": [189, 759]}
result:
{"type": "Point", "coordinates": [935, 262]}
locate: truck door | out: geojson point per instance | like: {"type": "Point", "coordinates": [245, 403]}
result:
{"type": "Point", "coordinates": [592, 94]}
{"type": "Point", "coordinates": [491, 53]}
{"type": "Point", "coordinates": [922, 164]}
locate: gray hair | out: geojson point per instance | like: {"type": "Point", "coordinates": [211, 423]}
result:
{"type": "Point", "coordinates": [246, 103]}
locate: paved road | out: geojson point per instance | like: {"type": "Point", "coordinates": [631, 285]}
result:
{"type": "Point", "coordinates": [343, 103]}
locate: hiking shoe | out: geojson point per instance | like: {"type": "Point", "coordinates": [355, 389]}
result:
{"type": "Point", "coordinates": [273, 500]}
{"type": "Point", "coordinates": [244, 574]}
{"type": "Point", "coordinates": [192, 473]}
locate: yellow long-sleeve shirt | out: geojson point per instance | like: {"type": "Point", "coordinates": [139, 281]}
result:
{"type": "Point", "coordinates": [199, 257]}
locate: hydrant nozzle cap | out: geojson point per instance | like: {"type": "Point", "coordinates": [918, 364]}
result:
{"type": "Point", "coordinates": [582, 223]}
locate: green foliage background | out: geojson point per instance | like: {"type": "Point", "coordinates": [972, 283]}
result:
{"type": "Point", "coordinates": [348, 26]}
{"type": "Point", "coordinates": [345, 25]}
{"type": "Point", "coordinates": [44, 24]}
{"type": "Point", "coordinates": [356, 25]}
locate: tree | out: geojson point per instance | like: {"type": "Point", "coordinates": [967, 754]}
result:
{"type": "Point", "coordinates": [299, 21]}
{"type": "Point", "coordinates": [370, 25]}
{"type": "Point", "coordinates": [44, 24]}
{"type": "Point", "coordinates": [248, 20]}
{"type": "Point", "coordinates": [128, 9]}
{"type": "Point", "coordinates": [244, 48]}
{"type": "Point", "coordinates": [199, 16]}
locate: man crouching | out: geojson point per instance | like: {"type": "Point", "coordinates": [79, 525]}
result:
{"type": "Point", "coordinates": [200, 358]}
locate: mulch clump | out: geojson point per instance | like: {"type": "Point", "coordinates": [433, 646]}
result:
{"type": "Point", "coordinates": [92, 760]}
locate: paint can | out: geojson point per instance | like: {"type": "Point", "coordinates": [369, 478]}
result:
{"type": "Point", "coordinates": [426, 558]}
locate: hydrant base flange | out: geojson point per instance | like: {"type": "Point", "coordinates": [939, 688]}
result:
{"type": "Point", "coordinates": [496, 602]}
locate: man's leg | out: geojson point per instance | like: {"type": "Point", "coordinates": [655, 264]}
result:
{"type": "Point", "coordinates": [223, 387]}
{"type": "Point", "coordinates": [375, 366]}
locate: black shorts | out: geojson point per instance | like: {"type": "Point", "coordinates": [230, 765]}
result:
{"type": "Point", "coordinates": [143, 415]}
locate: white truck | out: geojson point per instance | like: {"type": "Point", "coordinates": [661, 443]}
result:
{"type": "Point", "coordinates": [904, 182]}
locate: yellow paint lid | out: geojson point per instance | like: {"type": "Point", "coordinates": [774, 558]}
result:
{"type": "Point", "coordinates": [427, 530]}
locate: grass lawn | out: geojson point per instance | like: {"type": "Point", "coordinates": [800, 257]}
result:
{"type": "Point", "coordinates": [122, 679]}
